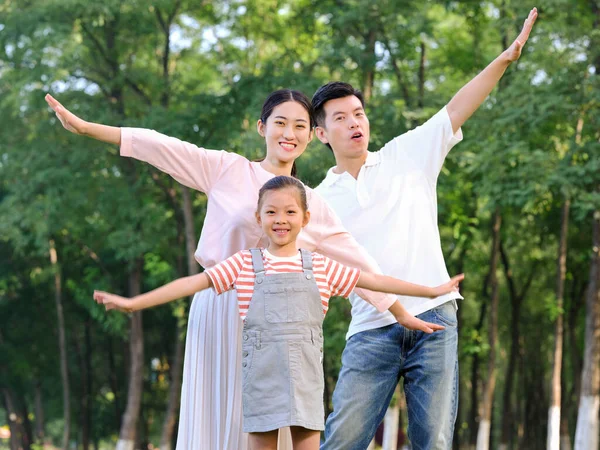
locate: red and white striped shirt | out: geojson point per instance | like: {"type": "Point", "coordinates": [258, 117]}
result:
{"type": "Point", "coordinates": [236, 272]}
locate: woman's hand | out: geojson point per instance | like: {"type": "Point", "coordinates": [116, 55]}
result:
{"type": "Point", "coordinates": [112, 301]}
{"type": "Point", "coordinates": [74, 124]}
{"type": "Point", "coordinates": [69, 120]}
{"type": "Point", "coordinates": [450, 286]}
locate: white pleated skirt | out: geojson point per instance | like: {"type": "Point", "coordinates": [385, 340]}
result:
{"type": "Point", "coordinates": [210, 416]}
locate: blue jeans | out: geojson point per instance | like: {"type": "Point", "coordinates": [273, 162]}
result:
{"type": "Point", "coordinates": [372, 364]}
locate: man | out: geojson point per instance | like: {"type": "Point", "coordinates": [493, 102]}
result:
{"type": "Point", "coordinates": [387, 200]}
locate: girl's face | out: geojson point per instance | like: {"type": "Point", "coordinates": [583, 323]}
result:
{"type": "Point", "coordinates": [287, 132]}
{"type": "Point", "coordinates": [282, 218]}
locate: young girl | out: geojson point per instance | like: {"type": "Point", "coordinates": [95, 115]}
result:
{"type": "Point", "coordinates": [211, 402]}
{"type": "Point", "coordinates": [283, 295]}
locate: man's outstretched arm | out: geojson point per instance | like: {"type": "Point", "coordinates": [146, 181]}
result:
{"type": "Point", "coordinates": [471, 95]}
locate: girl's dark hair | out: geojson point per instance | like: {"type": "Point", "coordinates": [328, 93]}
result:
{"type": "Point", "coordinates": [281, 182]}
{"type": "Point", "coordinates": [281, 96]}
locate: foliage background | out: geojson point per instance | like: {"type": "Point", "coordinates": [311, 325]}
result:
{"type": "Point", "coordinates": [199, 70]}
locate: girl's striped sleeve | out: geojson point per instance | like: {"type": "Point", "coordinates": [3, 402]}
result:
{"type": "Point", "coordinates": [341, 279]}
{"type": "Point", "coordinates": [225, 274]}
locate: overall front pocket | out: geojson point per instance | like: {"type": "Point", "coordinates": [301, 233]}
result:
{"type": "Point", "coordinates": [286, 304]}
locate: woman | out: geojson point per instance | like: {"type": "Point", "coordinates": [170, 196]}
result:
{"type": "Point", "coordinates": [211, 410]}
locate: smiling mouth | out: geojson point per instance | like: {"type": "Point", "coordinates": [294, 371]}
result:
{"type": "Point", "coordinates": [287, 145]}
{"type": "Point", "coordinates": [281, 232]}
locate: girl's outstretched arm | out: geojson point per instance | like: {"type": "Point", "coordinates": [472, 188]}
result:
{"type": "Point", "coordinates": [392, 285]}
{"type": "Point", "coordinates": [76, 125]}
{"type": "Point", "coordinates": [182, 287]}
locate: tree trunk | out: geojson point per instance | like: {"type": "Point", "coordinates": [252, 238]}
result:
{"type": "Point", "coordinates": [522, 390]}
{"type": "Point", "coordinates": [86, 382]}
{"type": "Point", "coordinates": [565, 436]}
{"type": "Point", "coordinates": [114, 385]}
{"type": "Point", "coordinates": [483, 432]}
{"type": "Point", "coordinates": [127, 434]}
{"type": "Point", "coordinates": [536, 398]}
{"type": "Point", "coordinates": [576, 355]}
{"type": "Point", "coordinates": [28, 438]}
{"type": "Point", "coordinates": [566, 396]}
{"type": "Point", "coordinates": [18, 435]}
{"type": "Point", "coordinates": [456, 436]}
{"type": "Point", "coordinates": [177, 366]}
{"type": "Point", "coordinates": [369, 75]}
{"type": "Point", "coordinates": [170, 420]}
{"type": "Point", "coordinates": [39, 413]}
{"type": "Point", "coordinates": [61, 344]}
{"type": "Point", "coordinates": [516, 301]}
{"type": "Point", "coordinates": [586, 434]}
{"type": "Point", "coordinates": [168, 428]}
{"type": "Point", "coordinates": [403, 421]}
{"type": "Point", "coordinates": [474, 415]}
{"type": "Point", "coordinates": [554, 413]}
{"type": "Point", "coordinates": [391, 421]}
{"type": "Point", "coordinates": [422, 75]}
{"type": "Point", "coordinates": [83, 356]}
{"type": "Point", "coordinates": [398, 72]}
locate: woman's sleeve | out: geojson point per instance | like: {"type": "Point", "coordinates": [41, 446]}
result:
{"type": "Point", "coordinates": [192, 166]}
{"type": "Point", "coordinates": [335, 242]}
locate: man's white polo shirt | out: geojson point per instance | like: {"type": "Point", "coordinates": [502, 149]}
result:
{"type": "Point", "coordinates": [391, 210]}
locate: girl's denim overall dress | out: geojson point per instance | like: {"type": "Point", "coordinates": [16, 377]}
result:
{"type": "Point", "coordinates": [282, 345]}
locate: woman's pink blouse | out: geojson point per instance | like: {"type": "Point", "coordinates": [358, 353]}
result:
{"type": "Point", "coordinates": [231, 183]}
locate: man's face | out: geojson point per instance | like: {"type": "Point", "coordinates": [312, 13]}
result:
{"type": "Point", "coordinates": [346, 127]}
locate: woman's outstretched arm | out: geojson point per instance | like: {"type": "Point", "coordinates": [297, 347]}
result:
{"type": "Point", "coordinates": [192, 166]}
{"type": "Point", "coordinates": [76, 125]}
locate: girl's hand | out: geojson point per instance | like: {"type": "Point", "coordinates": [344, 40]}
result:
{"type": "Point", "coordinates": [69, 120]}
{"type": "Point", "coordinates": [450, 286]}
{"type": "Point", "coordinates": [112, 301]}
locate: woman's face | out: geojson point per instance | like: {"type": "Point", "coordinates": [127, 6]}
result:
{"type": "Point", "coordinates": [287, 132]}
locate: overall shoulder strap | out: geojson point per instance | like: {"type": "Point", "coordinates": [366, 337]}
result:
{"type": "Point", "coordinates": [257, 260]}
{"type": "Point", "coordinates": [307, 264]}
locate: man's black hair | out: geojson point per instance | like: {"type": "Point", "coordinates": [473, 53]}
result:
{"type": "Point", "coordinates": [331, 91]}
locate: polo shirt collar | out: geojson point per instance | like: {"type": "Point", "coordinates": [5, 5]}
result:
{"type": "Point", "coordinates": [331, 178]}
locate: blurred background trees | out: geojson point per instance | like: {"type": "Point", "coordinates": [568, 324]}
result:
{"type": "Point", "coordinates": [519, 199]}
